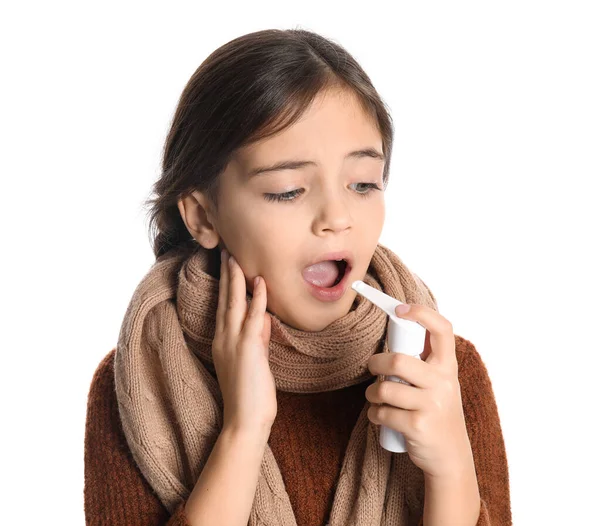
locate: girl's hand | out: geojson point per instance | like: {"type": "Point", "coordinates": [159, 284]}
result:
{"type": "Point", "coordinates": [240, 353]}
{"type": "Point", "coordinates": [429, 413]}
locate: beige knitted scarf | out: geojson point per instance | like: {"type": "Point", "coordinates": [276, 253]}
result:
{"type": "Point", "coordinates": [171, 407]}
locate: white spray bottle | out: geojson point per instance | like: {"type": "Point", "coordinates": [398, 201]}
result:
{"type": "Point", "coordinates": [405, 336]}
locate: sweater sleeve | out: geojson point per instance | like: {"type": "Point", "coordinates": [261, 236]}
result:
{"type": "Point", "coordinates": [487, 443]}
{"type": "Point", "coordinates": [115, 491]}
{"type": "Point", "coordinates": [485, 434]}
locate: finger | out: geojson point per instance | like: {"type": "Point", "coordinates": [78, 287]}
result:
{"type": "Point", "coordinates": [236, 299]}
{"type": "Point", "coordinates": [393, 417]}
{"type": "Point", "coordinates": [395, 394]}
{"type": "Point", "coordinates": [255, 320]}
{"type": "Point", "coordinates": [223, 292]}
{"type": "Point", "coordinates": [427, 347]}
{"type": "Point", "coordinates": [266, 333]}
{"type": "Point", "coordinates": [441, 333]}
{"type": "Point", "coordinates": [409, 368]}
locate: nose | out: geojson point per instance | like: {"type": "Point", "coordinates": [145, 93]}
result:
{"type": "Point", "coordinates": [332, 213]}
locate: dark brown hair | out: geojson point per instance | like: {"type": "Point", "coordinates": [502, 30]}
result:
{"type": "Point", "coordinates": [248, 89]}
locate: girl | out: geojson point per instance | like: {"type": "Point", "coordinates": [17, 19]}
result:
{"type": "Point", "coordinates": [241, 388]}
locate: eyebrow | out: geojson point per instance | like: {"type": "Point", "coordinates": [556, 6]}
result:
{"type": "Point", "coordinates": [293, 165]}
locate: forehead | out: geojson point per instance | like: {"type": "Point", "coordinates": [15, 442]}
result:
{"type": "Point", "coordinates": [333, 124]}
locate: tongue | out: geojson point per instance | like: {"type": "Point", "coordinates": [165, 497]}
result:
{"type": "Point", "coordinates": [322, 274]}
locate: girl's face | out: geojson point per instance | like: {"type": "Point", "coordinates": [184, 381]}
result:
{"type": "Point", "coordinates": [329, 205]}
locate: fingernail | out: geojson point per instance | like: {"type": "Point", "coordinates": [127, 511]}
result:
{"type": "Point", "coordinates": [231, 261]}
{"type": "Point", "coordinates": [256, 281]}
{"type": "Point", "coordinates": [403, 308]}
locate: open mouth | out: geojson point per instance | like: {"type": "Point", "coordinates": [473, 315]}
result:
{"type": "Point", "coordinates": [328, 277]}
{"type": "Point", "coordinates": [342, 266]}
{"type": "Point", "coordinates": [328, 274]}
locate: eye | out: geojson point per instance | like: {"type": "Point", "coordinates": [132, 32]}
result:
{"type": "Point", "coordinates": [370, 188]}
{"type": "Point", "coordinates": [286, 196]}
{"type": "Point", "coordinates": [291, 195]}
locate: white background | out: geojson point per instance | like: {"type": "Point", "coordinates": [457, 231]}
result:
{"type": "Point", "coordinates": [492, 201]}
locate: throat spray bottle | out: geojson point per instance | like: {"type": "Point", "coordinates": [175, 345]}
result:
{"type": "Point", "coordinates": [404, 336]}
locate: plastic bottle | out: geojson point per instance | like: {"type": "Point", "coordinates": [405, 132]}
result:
{"type": "Point", "coordinates": [404, 336]}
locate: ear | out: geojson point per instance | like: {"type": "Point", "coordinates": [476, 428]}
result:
{"type": "Point", "coordinates": [197, 215]}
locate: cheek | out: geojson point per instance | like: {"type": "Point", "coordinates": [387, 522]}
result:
{"type": "Point", "coordinates": [376, 218]}
{"type": "Point", "coordinates": [279, 266]}
{"type": "Point", "coordinates": [273, 240]}
{"type": "Point", "coordinates": [253, 224]}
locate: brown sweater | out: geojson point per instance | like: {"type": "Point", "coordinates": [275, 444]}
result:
{"type": "Point", "coordinates": [115, 492]}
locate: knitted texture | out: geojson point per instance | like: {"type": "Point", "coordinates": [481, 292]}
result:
{"type": "Point", "coordinates": [171, 409]}
{"type": "Point", "coordinates": [308, 439]}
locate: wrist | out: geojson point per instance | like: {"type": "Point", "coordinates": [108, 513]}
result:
{"type": "Point", "coordinates": [452, 474]}
{"type": "Point", "coordinates": [256, 435]}
{"type": "Point", "coordinates": [460, 466]}
{"type": "Point", "coordinates": [452, 498]}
